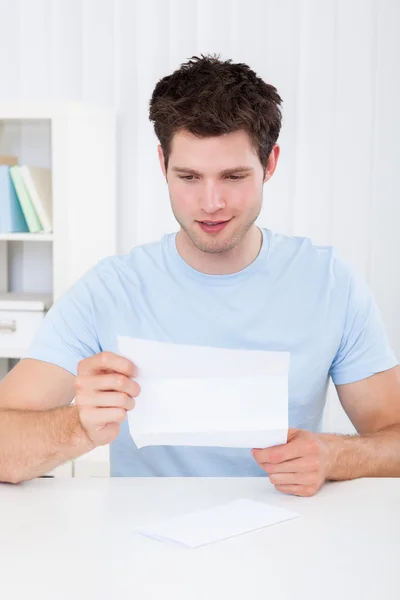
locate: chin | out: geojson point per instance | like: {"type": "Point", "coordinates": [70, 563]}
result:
{"type": "Point", "coordinates": [216, 245]}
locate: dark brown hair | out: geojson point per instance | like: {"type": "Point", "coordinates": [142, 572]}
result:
{"type": "Point", "coordinates": [210, 97]}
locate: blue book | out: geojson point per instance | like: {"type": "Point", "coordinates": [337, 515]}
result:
{"type": "Point", "coordinates": [12, 218]}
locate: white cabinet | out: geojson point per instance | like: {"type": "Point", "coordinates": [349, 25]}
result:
{"type": "Point", "coordinates": [21, 316]}
{"type": "Point", "coordinates": [78, 142]}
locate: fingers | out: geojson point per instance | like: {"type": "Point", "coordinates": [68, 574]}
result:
{"type": "Point", "coordinates": [293, 475]}
{"type": "Point", "coordinates": [279, 454]}
{"type": "Point", "coordinates": [96, 418]}
{"type": "Point", "coordinates": [298, 465]}
{"type": "Point", "coordinates": [105, 392]}
{"type": "Point", "coordinates": [106, 399]}
{"type": "Point", "coordinates": [107, 382]}
{"type": "Point", "coordinates": [296, 448]}
{"type": "Point", "coordinates": [107, 361]}
{"type": "Point", "coordinates": [297, 490]}
{"type": "Point", "coordinates": [293, 478]}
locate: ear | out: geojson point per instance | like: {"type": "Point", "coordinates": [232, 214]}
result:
{"type": "Point", "coordinates": [161, 159]}
{"type": "Point", "coordinates": [272, 162]}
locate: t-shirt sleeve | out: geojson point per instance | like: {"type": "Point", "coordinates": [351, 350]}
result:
{"type": "Point", "coordinates": [67, 334]}
{"type": "Point", "coordinates": [364, 348]}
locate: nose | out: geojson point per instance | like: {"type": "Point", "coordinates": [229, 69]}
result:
{"type": "Point", "coordinates": [211, 198]}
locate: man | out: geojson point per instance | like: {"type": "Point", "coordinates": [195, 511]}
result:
{"type": "Point", "coordinates": [220, 281]}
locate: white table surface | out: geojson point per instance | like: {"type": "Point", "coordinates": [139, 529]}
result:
{"type": "Point", "coordinates": [74, 539]}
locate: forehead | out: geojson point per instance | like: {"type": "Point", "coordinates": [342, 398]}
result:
{"type": "Point", "coordinates": [222, 151]}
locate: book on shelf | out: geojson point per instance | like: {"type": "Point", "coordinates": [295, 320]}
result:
{"type": "Point", "coordinates": [25, 197]}
{"type": "Point", "coordinates": [32, 219]}
{"type": "Point", "coordinates": [12, 219]}
{"type": "Point", "coordinates": [37, 182]}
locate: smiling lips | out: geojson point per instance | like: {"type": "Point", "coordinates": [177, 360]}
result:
{"type": "Point", "coordinates": [213, 226]}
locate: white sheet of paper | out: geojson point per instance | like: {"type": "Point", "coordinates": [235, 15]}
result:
{"type": "Point", "coordinates": [204, 396]}
{"type": "Point", "coordinates": [217, 523]}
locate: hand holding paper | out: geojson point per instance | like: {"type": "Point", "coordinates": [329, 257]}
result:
{"type": "Point", "coordinates": [205, 396]}
{"type": "Point", "coordinates": [104, 392]}
{"type": "Point", "coordinates": [299, 467]}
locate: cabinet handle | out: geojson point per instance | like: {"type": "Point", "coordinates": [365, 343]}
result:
{"type": "Point", "coordinates": [8, 326]}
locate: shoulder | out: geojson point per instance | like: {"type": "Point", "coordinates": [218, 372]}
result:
{"type": "Point", "coordinates": [114, 276]}
{"type": "Point", "coordinates": [310, 267]}
{"type": "Point", "coordinates": [140, 259]}
{"type": "Point", "coordinates": [300, 259]}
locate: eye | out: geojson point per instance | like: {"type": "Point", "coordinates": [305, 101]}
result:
{"type": "Point", "coordinates": [187, 177]}
{"type": "Point", "coordinates": [236, 177]}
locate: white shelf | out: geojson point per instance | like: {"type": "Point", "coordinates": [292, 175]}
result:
{"type": "Point", "coordinates": [26, 237]}
{"type": "Point", "coordinates": [81, 141]}
{"type": "Point", "coordinates": [78, 142]}
{"type": "Point", "coordinates": [22, 301]}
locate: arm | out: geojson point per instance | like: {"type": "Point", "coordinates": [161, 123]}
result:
{"type": "Point", "coordinates": [302, 465]}
{"type": "Point", "coordinates": [368, 386]}
{"type": "Point", "coordinates": [373, 406]}
{"type": "Point", "coordinates": [367, 378]}
{"type": "Point", "coordinates": [35, 437]}
{"type": "Point", "coordinates": [38, 430]}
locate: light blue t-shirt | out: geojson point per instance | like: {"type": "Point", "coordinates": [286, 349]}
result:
{"type": "Point", "coordinates": [294, 297]}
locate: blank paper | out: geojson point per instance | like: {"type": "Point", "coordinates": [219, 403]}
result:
{"type": "Point", "coordinates": [204, 396]}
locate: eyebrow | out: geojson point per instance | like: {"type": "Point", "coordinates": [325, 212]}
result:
{"type": "Point", "coordinates": [224, 172]}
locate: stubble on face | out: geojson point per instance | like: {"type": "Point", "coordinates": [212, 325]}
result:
{"type": "Point", "coordinates": [221, 243]}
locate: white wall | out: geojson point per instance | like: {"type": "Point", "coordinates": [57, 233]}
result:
{"type": "Point", "coordinates": [335, 63]}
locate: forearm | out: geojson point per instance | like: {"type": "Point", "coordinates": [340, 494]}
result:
{"type": "Point", "coordinates": [35, 442]}
{"type": "Point", "coordinates": [370, 455]}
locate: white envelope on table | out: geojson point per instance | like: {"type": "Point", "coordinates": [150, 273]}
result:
{"type": "Point", "coordinates": [206, 396]}
{"type": "Point", "coordinates": [217, 523]}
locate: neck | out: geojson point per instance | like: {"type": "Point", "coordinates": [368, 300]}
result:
{"type": "Point", "coordinates": [224, 263]}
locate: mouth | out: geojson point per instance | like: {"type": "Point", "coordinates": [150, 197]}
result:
{"type": "Point", "coordinates": [213, 226]}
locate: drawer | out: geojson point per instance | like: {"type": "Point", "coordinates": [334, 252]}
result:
{"type": "Point", "coordinates": [18, 329]}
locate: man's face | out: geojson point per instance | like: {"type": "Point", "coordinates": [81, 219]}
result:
{"type": "Point", "coordinates": [215, 185]}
